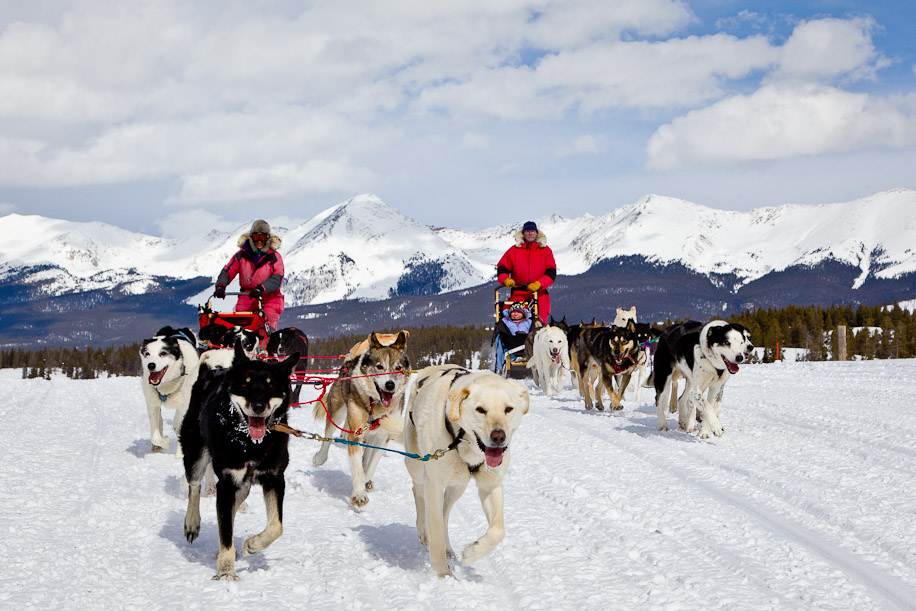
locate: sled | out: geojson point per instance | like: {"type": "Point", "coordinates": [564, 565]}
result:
{"type": "Point", "coordinates": [253, 321]}
{"type": "Point", "coordinates": [510, 357]}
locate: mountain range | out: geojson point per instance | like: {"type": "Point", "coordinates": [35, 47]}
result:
{"type": "Point", "coordinates": [362, 264]}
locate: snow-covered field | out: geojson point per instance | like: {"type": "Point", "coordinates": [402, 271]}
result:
{"type": "Point", "coordinates": [807, 502]}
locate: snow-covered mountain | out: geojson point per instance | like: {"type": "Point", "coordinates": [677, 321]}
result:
{"type": "Point", "coordinates": [363, 248]}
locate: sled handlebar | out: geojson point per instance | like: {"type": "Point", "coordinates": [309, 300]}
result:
{"type": "Point", "coordinates": [517, 287]}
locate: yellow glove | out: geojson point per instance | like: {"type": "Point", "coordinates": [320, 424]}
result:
{"type": "Point", "coordinates": [509, 282]}
{"type": "Point", "coordinates": [534, 286]}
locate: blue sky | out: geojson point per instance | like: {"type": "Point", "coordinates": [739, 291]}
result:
{"type": "Point", "coordinates": [173, 117]}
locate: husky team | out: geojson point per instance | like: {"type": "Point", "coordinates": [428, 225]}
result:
{"type": "Point", "coordinates": [231, 405]}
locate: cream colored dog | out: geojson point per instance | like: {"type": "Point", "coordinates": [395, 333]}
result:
{"type": "Point", "coordinates": [473, 415]}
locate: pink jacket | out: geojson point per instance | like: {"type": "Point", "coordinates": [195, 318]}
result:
{"type": "Point", "coordinates": [265, 270]}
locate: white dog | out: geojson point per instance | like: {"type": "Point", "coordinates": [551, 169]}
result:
{"type": "Point", "coordinates": [549, 362]}
{"type": "Point", "coordinates": [624, 316]}
{"type": "Point", "coordinates": [169, 361]}
{"type": "Point", "coordinates": [473, 415]}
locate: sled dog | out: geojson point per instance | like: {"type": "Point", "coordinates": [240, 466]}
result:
{"type": "Point", "coordinates": [646, 338]}
{"type": "Point", "coordinates": [229, 425]}
{"type": "Point", "coordinates": [284, 342]}
{"type": "Point", "coordinates": [169, 368]}
{"type": "Point", "coordinates": [474, 416]}
{"type": "Point", "coordinates": [221, 355]}
{"type": "Point", "coordinates": [370, 406]}
{"type": "Point", "coordinates": [549, 362]}
{"type": "Point", "coordinates": [572, 336]}
{"type": "Point", "coordinates": [706, 356]}
{"type": "Point", "coordinates": [606, 356]}
{"type": "Point", "coordinates": [625, 316]}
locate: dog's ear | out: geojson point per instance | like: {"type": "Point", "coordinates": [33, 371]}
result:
{"type": "Point", "coordinates": [290, 362]}
{"type": "Point", "coordinates": [400, 342]}
{"type": "Point", "coordinates": [240, 355]}
{"type": "Point", "coordinates": [523, 396]}
{"type": "Point", "coordinates": [455, 399]}
{"type": "Point", "coordinates": [373, 341]}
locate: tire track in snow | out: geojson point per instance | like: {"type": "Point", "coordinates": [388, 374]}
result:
{"type": "Point", "coordinates": [889, 588]}
{"type": "Point", "coordinates": [567, 498]}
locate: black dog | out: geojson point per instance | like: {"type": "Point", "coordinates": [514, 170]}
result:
{"type": "Point", "coordinates": [229, 421]}
{"type": "Point", "coordinates": [284, 342]}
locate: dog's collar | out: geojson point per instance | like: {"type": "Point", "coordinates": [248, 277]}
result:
{"type": "Point", "coordinates": [162, 397]}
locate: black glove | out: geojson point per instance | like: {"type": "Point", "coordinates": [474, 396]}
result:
{"type": "Point", "coordinates": [220, 291]}
{"type": "Point", "coordinates": [256, 292]}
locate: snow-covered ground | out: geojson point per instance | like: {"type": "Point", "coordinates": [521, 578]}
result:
{"type": "Point", "coordinates": [807, 502]}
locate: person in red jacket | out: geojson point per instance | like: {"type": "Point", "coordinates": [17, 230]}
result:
{"type": "Point", "coordinates": [530, 262]}
{"type": "Point", "coordinates": [260, 270]}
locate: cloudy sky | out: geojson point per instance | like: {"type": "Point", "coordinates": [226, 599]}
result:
{"type": "Point", "coordinates": [170, 116]}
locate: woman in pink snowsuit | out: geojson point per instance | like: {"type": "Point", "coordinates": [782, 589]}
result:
{"type": "Point", "coordinates": [260, 270]}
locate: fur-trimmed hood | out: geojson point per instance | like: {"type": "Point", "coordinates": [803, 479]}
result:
{"type": "Point", "coordinates": [275, 241]}
{"type": "Point", "coordinates": [541, 240]}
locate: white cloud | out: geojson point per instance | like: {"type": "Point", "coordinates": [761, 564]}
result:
{"type": "Point", "coordinates": [475, 141]}
{"type": "Point", "coordinates": [583, 144]}
{"type": "Point", "coordinates": [193, 222]}
{"type": "Point", "coordinates": [830, 48]}
{"type": "Point", "coordinates": [260, 183]}
{"type": "Point", "coordinates": [780, 121]}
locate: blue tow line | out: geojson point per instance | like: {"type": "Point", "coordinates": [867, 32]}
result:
{"type": "Point", "coordinates": [283, 428]}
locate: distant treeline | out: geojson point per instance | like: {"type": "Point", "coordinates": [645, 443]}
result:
{"type": "Point", "coordinates": [884, 332]}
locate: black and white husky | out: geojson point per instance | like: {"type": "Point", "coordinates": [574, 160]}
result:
{"type": "Point", "coordinates": [706, 356]}
{"type": "Point", "coordinates": [229, 423]}
{"type": "Point", "coordinates": [169, 369]}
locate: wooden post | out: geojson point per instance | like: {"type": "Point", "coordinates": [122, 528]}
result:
{"type": "Point", "coordinates": [841, 342]}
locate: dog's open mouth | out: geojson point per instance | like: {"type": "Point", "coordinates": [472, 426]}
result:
{"type": "Point", "coordinates": [494, 456]}
{"type": "Point", "coordinates": [156, 376]}
{"type": "Point", "coordinates": [732, 368]}
{"type": "Point", "coordinates": [385, 397]}
{"type": "Point", "coordinates": [257, 427]}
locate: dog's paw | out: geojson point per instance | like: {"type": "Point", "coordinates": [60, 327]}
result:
{"type": "Point", "coordinates": [318, 459]}
{"type": "Point", "coordinates": [226, 576]}
{"type": "Point", "coordinates": [369, 486]}
{"type": "Point", "coordinates": [358, 500]}
{"type": "Point", "coordinates": [600, 407]}
{"type": "Point", "coordinates": [191, 531]}
{"type": "Point", "coordinates": [617, 408]}
{"type": "Point", "coordinates": [663, 427]}
{"type": "Point", "coordinates": [210, 491]}
{"type": "Point", "coordinates": [160, 444]}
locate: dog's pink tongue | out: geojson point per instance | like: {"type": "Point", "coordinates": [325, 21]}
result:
{"type": "Point", "coordinates": [257, 427]}
{"type": "Point", "coordinates": [494, 456]}
{"type": "Point", "coordinates": [732, 368]}
{"type": "Point", "coordinates": [386, 397]}
{"type": "Point", "coordinates": [156, 376]}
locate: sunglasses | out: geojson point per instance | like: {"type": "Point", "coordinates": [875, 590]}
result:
{"type": "Point", "coordinates": [260, 237]}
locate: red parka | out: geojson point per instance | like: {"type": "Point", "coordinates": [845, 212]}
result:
{"type": "Point", "coordinates": [527, 262]}
{"type": "Point", "coordinates": [255, 269]}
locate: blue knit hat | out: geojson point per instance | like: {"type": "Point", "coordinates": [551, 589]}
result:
{"type": "Point", "coordinates": [530, 226]}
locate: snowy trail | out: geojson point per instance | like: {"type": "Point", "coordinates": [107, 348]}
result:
{"type": "Point", "coordinates": [805, 503]}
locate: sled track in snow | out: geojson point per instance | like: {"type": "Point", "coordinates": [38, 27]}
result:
{"type": "Point", "coordinates": [888, 587]}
